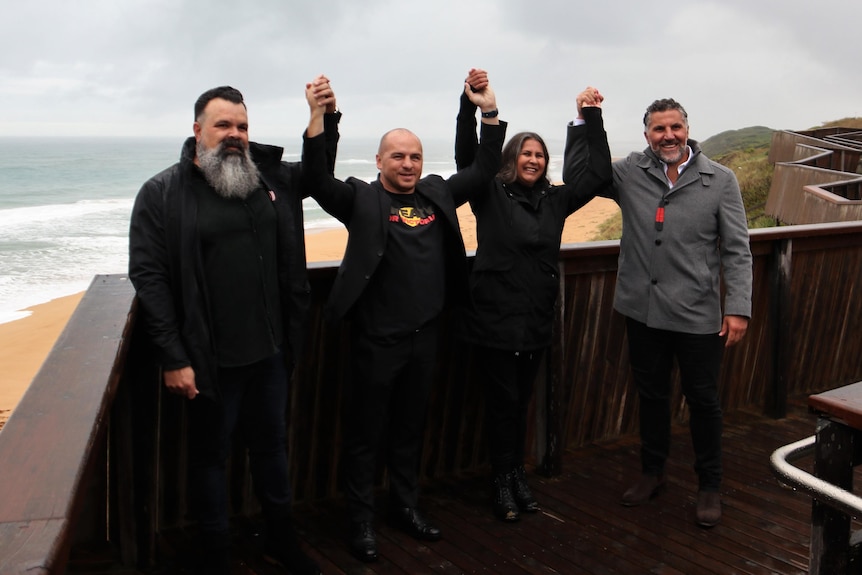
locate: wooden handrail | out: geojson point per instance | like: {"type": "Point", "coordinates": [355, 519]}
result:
{"type": "Point", "coordinates": [53, 434]}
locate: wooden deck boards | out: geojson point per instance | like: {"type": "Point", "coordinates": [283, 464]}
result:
{"type": "Point", "coordinates": [582, 529]}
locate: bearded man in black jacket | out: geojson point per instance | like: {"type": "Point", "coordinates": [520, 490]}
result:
{"type": "Point", "coordinates": [217, 256]}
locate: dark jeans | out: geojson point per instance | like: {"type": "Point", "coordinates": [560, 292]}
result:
{"type": "Point", "coordinates": [651, 353]}
{"type": "Point", "coordinates": [253, 401]}
{"type": "Point", "coordinates": [387, 409]}
{"type": "Point", "coordinates": [507, 378]}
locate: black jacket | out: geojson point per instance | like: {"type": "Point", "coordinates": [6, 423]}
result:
{"type": "Point", "coordinates": [514, 281]}
{"type": "Point", "coordinates": [364, 209]}
{"type": "Point", "coordinates": [165, 261]}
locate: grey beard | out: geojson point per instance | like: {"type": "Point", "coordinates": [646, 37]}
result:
{"type": "Point", "coordinates": [667, 159]}
{"type": "Point", "coordinates": [230, 175]}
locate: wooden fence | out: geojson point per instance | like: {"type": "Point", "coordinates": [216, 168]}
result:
{"type": "Point", "coordinates": [95, 450]}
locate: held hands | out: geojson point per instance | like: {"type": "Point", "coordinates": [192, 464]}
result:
{"type": "Point", "coordinates": [477, 79]}
{"type": "Point", "coordinates": [590, 97]}
{"type": "Point", "coordinates": [321, 99]}
{"type": "Point", "coordinates": [320, 95]}
{"type": "Point", "coordinates": [478, 90]}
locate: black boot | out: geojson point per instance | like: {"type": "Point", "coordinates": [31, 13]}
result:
{"type": "Point", "coordinates": [523, 496]}
{"type": "Point", "coordinates": [282, 547]}
{"type": "Point", "coordinates": [505, 507]}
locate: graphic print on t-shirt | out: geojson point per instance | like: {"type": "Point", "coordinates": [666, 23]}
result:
{"type": "Point", "coordinates": [412, 216]}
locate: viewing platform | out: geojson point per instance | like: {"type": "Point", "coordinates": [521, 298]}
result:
{"type": "Point", "coordinates": [94, 475]}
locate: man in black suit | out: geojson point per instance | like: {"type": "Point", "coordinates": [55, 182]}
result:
{"type": "Point", "coordinates": [404, 261]}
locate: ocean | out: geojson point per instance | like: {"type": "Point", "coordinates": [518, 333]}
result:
{"type": "Point", "coordinates": [65, 205]}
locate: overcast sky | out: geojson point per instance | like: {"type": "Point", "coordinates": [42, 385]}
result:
{"type": "Point", "coordinates": [135, 67]}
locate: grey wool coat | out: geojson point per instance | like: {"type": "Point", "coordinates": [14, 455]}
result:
{"type": "Point", "coordinates": [670, 275]}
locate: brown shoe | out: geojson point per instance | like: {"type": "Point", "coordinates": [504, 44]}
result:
{"type": "Point", "coordinates": [647, 487]}
{"type": "Point", "coordinates": [708, 508]}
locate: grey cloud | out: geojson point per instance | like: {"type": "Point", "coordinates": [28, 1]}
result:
{"type": "Point", "coordinates": [137, 65]}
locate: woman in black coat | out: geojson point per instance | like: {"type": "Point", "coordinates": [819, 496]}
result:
{"type": "Point", "coordinates": [515, 276]}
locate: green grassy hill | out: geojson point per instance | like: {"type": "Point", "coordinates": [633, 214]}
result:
{"type": "Point", "coordinates": [845, 123]}
{"type": "Point", "coordinates": [751, 138]}
{"type": "Point", "coordinates": [746, 152]}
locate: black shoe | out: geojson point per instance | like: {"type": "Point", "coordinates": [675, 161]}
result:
{"type": "Point", "coordinates": [505, 507]}
{"type": "Point", "coordinates": [409, 520]}
{"type": "Point", "coordinates": [523, 495]}
{"type": "Point", "coordinates": [363, 542]}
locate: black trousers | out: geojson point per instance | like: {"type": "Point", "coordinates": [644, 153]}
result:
{"type": "Point", "coordinates": [253, 402]}
{"type": "Point", "coordinates": [507, 377]}
{"type": "Point", "coordinates": [651, 354]}
{"type": "Point", "coordinates": [387, 409]}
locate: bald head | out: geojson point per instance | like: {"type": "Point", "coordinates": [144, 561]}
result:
{"type": "Point", "coordinates": [399, 159]}
{"type": "Point", "coordinates": [396, 134]}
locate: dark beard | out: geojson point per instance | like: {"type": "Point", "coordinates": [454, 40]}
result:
{"type": "Point", "coordinates": [231, 174]}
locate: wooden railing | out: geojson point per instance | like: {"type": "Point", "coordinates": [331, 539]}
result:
{"type": "Point", "coordinates": [52, 449]}
{"type": "Point", "coordinates": [803, 194]}
{"type": "Point", "coordinates": [66, 481]}
{"type": "Point", "coordinates": [835, 149]}
{"type": "Point", "coordinates": [817, 176]}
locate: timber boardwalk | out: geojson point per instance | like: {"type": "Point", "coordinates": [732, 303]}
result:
{"type": "Point", "coordinates": [582, 529]}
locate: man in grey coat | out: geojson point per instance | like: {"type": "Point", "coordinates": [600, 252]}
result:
{"type": "Point", "coordinates": [684, 227]}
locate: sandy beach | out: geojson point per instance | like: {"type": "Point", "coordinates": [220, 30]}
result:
{"type": "Point", "coordinates": [26, 342]}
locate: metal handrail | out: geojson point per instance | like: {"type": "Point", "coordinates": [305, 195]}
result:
{"type": "Point", "coordinates": [817, 488]}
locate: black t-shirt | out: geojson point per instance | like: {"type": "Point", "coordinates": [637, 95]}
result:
{"type": "Point", "coordinates": [238, 248]}
{"type": "Point", "coordinates": [408, 288]}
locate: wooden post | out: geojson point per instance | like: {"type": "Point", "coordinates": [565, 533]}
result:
{"type": "Point", "coordinates": [830, 528]}
{"type": "Point", "coordinates": [782, 256]}
{"type": "Point", "coordinates": [549, 396]}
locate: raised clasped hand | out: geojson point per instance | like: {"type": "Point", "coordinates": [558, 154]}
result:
{"type": "Point", "coordinates": [590, 97]}
{"type": "Point", "coordinates": [320, 94]}
{"type": "Point", "coordinates": [478, 89]}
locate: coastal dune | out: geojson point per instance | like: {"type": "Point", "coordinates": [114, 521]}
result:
{"type": "Point", "coordinates": [25, 343]}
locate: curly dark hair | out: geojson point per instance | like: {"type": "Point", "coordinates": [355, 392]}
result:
{"type": "Point", "coordinates": [509, 163]}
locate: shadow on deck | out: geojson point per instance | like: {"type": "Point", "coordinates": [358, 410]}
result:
{"type": "Point", "coordinates": [581, 529]}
